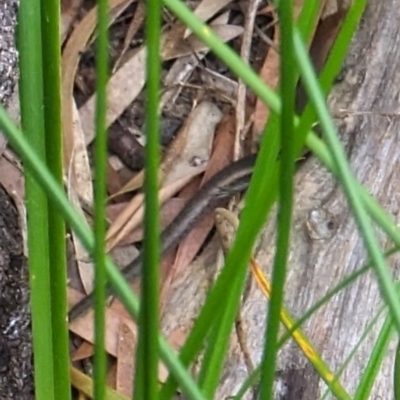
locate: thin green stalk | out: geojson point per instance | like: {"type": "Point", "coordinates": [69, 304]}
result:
{"type": "Point", "coordinates": [396, 373]}
{"type": "Point", "coordinates": [29, 37]}
{"type": "Point", "coordinates": [379, 351]}
{"type": "Point", "coordinates": [146, 382]}
{"type": "Point", "coordinates": [50, 20]}
{"type": "Point", "coordinates": [285, 205]}
{"type": "Point", "coordinates": [100, 361]}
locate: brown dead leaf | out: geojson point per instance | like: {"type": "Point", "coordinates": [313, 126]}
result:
{"type": "Point", "coordinates": [85, 350]}
{"type": "Point", "coordinates": [133, 28]}
{"type": "Point", "coordinates": [75, 46]}
{"type": "Point", "coordinates": [206, 10]}
{"type": "Point", "coordinates": [172, 153]}
{"type": "Point", "coordinates": [200, 132]}
{"type": "Point", "coordinates": [83, 326]}
{"type": "Point", "coordinates": [114, 181]}
{"type": "Point", "coordinates": [69, 11]}
{"type": "Point", "coordinates": [170, 209]}
{"type": "Point", "coordinates": [269, 73]}
{"type": "Point", "coordinates": [128, 81]}
{"type": "Point", "coordinates": [324, 37]}
{"type": "Point", "coordinates": [132, 216]}
{"type": "Point", "coordinates": [125, 360]}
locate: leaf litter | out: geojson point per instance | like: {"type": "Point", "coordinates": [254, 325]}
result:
{"type": "Point", "coordinates": [194, 83]}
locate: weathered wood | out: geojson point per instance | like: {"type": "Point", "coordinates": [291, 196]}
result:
{"type": "Point", "coordinates": [326, 246]}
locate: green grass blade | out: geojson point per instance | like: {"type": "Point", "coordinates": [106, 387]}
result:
{"type": "Point", "coordinates": [100, 360]}
{"type": "Point", "coordinates": [396, 373]}
{"type": "Point", "coordinates": [379, 351]}
{"type": "Point", "coordinates": [50, 22]}
{"type": "Point", "coordinates": [29, 37]}
{"type": "Point", "coordinates": [147, 356]}
{"type": "Point", "coordinates": [285, 205]}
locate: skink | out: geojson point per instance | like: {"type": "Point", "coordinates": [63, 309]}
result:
{"type": "Point", "coordinates": [232, 179]}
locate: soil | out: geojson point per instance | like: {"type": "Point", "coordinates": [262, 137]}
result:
{"type": "Point", "coordinates": [16, 372]}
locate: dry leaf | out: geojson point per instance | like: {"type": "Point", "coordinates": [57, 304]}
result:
{"type": "Point", "coordinates": [132, 216]}
{"type": "Point", "coordinates": [128, 81]}
{"type": "Point", "coordinates": [75, 46]}
{"type": "Point", "coordinates": [182, 68]}
{"type": "Point", "coordinates": [206, 10]}
{"type": "Point", "coordinates": [197, 146]}
{"type": "Point", "coordinates": [83, 326]}
{"type": "Point", "coordinates": [133, 28]}
{"type": "Point", "coordinates": [69, 11]}
{"type": "Point", "coordinates": [170, 209]}
{"type": "Point", "coordinates": [85, 350]}
{"type": "Point", "coordinates": [125, 360]}
{"type": "Point", "coordinates": [84, 384]}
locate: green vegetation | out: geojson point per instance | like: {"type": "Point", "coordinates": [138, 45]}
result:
{"type": "Point", "coordinates": [41, 152]}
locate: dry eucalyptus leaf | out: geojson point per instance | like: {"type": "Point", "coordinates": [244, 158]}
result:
{"type": "Point", "coordinates": [199, 139]}
{"type": "Point", "coordinates": [69, 11]}
{"type": "Point", "coordinates": [125, 360]}
{"type": "Point", "coordinates": [132, 215]}
{"type": "Point", "coordinates": [206, 10]}
{"type": "Point", "coordinates": [75, 46]}
{"type": "Point", "coordinates": [84, 326]}
{"type": "Point", "coordinates": [128, 81]}
{"type": "Point", "coordinates": [134, 26]}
